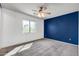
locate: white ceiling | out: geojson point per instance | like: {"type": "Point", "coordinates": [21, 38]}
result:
{"type": "Point", "coordinates": [56, 9]}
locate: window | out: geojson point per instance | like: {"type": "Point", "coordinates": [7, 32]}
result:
{"type": "Point", "coordinates": [32, 26]}
{"type": "Point", "coordinates": [29, 26]}
{"type": "Point", "coordinates": [25, 26]}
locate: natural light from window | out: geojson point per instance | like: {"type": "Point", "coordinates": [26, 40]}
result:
{"type": "Point", "coordinates": [25, 26]}
{"type": "Point", "coordinates": [32, 26]}
{"type": "Point", "coordinates": [29, 26]}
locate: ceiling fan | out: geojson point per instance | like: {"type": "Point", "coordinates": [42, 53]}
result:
{"type": "Point", "coordinates": [41, 11]}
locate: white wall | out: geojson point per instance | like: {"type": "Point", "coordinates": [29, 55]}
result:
{"type": "Point", "coordinates": [12, 28]}
{"type": "Point", "coordinates": [0, 27]}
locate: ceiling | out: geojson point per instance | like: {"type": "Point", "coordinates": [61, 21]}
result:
{"type": "Point", "coordinates": [56, 9]}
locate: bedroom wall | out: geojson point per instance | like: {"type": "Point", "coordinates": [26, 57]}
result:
{"type": "Point", "coordinates": [63, 28]}
{"type": "Point", "coordinates": [12, 33]}
{"type": "Point", "coordinates": [0, 26]}
{"type": "Point", "coordinates": [78, 33]}
{"type": "Point", "coordinates": [78, 27]}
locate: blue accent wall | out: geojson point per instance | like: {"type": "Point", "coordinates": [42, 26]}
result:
{"type": "Point", "coordinates": [63, 28]}
{"type": "Point", "coordinates": [78, 27]}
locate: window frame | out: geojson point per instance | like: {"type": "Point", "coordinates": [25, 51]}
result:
{"type": "Point", "coordinates": [29, 27]}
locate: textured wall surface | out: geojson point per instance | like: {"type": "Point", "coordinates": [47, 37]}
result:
{"type": "Point", "coordinates": [63, 28]}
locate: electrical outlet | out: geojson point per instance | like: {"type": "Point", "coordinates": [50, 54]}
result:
{"type": "Point", "coordinates": [69, 38]}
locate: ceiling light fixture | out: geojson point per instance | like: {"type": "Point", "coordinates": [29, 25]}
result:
{"type": "Point", "coordinates": [41, 12]}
